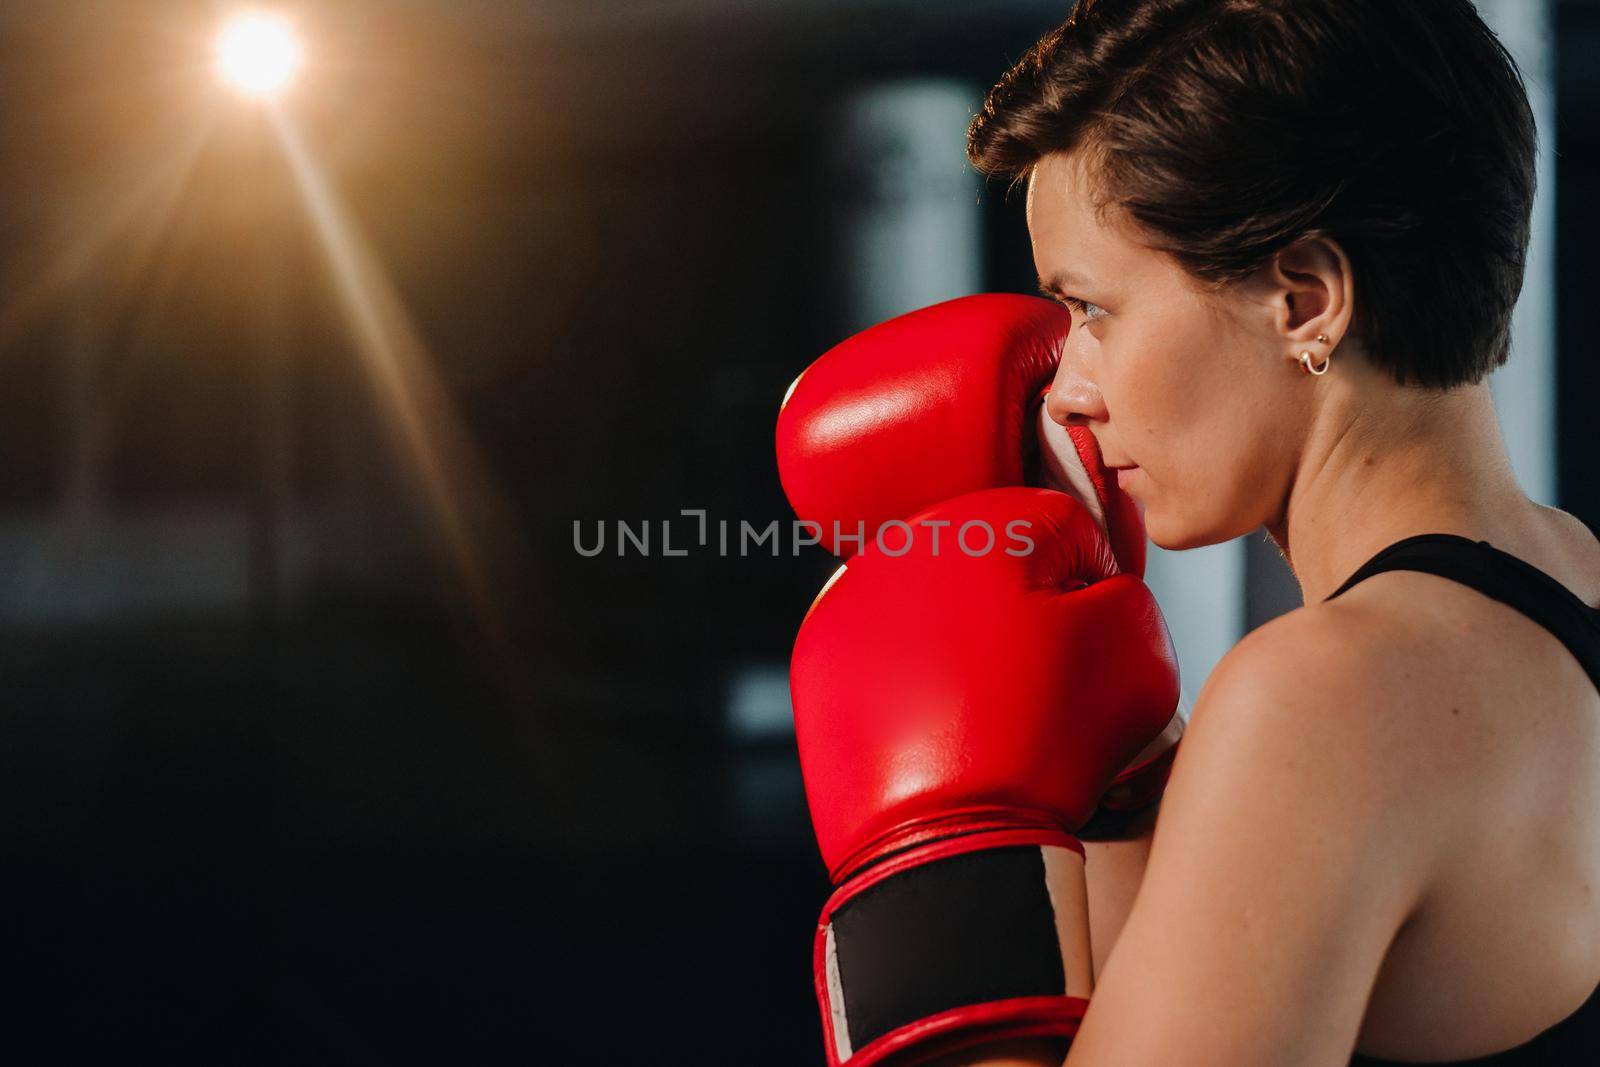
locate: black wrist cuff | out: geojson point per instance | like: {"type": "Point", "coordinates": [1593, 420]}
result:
{"type": "Point", "coordinates": [967, 930]}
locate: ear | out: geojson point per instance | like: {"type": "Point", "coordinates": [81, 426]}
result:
{"type": "Point", "coordinates": [1314, 290]}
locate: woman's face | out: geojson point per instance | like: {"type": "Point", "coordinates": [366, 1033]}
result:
{"type": "Point", "coordinates": [1195, 391]}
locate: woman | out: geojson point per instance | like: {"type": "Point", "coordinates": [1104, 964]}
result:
{"type": "Point", "coordinates": [1292, 234]}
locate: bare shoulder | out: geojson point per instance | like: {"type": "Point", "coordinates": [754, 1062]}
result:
{"type": "Point", "coordinates": [1324, 673]}
{"type": "Point", "coordinates": [1330, 709]}
{"type": "Point", "coordinates": [1333, 643]}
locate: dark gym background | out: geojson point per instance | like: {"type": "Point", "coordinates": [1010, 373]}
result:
{"type": "Point", "coordinates": [287, 773]}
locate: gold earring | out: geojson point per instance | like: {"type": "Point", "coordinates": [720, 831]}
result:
{"type": "Point", "coordinates": [1306, 359]}
{"type": "Point", "coordinates": [1314, 369]}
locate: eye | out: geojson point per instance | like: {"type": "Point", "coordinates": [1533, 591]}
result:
{"type": "Point", "coordinates": [1083, 307]}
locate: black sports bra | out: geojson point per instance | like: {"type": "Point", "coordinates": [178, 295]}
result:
{"type": "Point", "coordinates": [1520, 585]}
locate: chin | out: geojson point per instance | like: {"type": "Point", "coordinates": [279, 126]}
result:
{"type": "Point", "coordinates": [1178, 533]}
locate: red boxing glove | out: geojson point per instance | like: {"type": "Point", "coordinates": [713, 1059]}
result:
{"type": "Point", "coordinates": [945, 401]}
{"type": "Point", "coordinates": [939, 402]}
{"type": "Point", "coordinates": [960, 707]}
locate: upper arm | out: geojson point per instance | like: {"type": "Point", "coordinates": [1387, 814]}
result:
{"type": "Point", "coordinates": [1112, 872]}
{"type": "Point", "coordinates": [1283, 864]}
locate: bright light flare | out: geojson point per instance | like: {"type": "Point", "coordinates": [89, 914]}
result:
{"type": "Point", "coordinates": [472, 523]}
{"type": "Point", "coordinates": [257, 54]}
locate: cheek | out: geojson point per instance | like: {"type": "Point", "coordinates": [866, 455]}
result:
{"type": "Point", "coordinates": [1161, 398]}
{"type": "Point", "coordinates": [1197, 415]}
{"type": "Point", "coordinates": [1231, 477]}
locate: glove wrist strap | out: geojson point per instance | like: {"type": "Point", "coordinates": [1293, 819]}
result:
{"type": "Point", "coordinates": [954, 943]}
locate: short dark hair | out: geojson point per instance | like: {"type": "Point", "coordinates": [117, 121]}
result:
{"type": "Point", "coordinates": [1229, 129]}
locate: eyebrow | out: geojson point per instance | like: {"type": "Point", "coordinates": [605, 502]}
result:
{"type": "Point", "coordinates": [1061, 281]}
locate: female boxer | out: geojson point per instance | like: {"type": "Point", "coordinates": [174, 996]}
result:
{"type": "Point", "coordinates": [1291, 235]}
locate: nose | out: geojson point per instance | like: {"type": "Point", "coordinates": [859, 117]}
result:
{"type": "Point", "coordinates": [1074, 400]}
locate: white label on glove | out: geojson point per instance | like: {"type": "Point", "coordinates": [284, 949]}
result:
{"type": "Point", "coordinates": [841, 1027]}
{"type": "Point", "coordinates": [1062, 469]}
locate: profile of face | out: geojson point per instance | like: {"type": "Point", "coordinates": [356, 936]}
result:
{"type": "Point", "coordinates": [1190, 387]}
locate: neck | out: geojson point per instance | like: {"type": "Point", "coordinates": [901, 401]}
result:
{"type": "Point", "coordinates": [1384, 463]}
